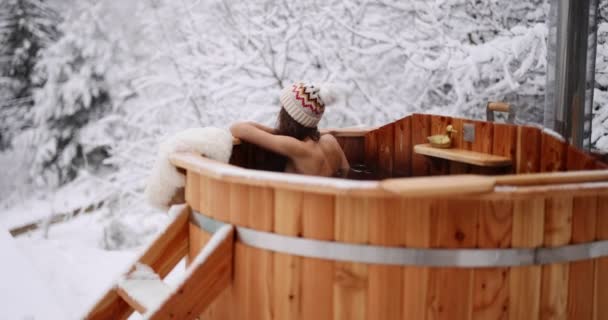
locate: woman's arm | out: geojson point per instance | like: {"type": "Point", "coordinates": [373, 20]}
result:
{"type": "Point", "coordinates": [260, 135]}
{"type": "Point", "coordinates": [344, 165]}
{"type": "Point", "coordinates": [262, 127]}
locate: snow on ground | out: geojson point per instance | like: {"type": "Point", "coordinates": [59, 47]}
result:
{"type": "Point", "coordinates": [22, 290]}
{"type": "Point", "coordinates": [70, 264]}
{"type": "Point", "coordinates": [20, 209]}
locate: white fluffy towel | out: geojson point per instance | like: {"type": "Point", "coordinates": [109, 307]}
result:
{"type": "Point", "coordinates": [165, 180]}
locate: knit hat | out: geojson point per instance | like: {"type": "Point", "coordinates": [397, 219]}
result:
{"type": "Point", "coordinates": [305, 102]}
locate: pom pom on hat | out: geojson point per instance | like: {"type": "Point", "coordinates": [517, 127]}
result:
{"type": "Point", "coordinates": [305, 102]}
{"type": "Point", "coordinates": [328, 93]}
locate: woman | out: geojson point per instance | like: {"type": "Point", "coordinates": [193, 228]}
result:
{"type": "Point", "coordinates": [297, 136]}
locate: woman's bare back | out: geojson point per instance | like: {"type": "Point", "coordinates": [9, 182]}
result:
{"type": "Point", "coordinates": [323, 158]}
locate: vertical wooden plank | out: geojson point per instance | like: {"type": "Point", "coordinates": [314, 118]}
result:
{"type": "Point", "coordinates": [220, 308]}
{"type": "Point", "coordinates": [554, 283]}
{"type": "Point", "coordinates": [287, 268]}
{"type": "Point", "coordinates": [350, 280]}
{"type": "Point", "coordinates": [240, 282]}
{"type": "Point", "coordinates": [600, 165]}
{"type": "Point", "coordinates": [317, 274]}
{"type": "Point", "coordinates": [215, 202]}
{"type": "Point", "coordinates": [402, 148]}
{"type": "Point", "coordinates": [239, 215]}
{"type": "Point", "coordinates": [421, 129]}
{"type": "Point", "coordinates": [218, 200]}
{"type": "Point", "coordinates": [438, 126]}
{"type": "Point", "coordinates": [204, 195]}
{"type": "Point", "coordinates": [197, 237]}
{"type": "Point", "coordinates": [553, 153]}
{"type": "Point", "coordinates": [371, 151]}
{"type": "Point", "coordinates": [192, 190]}
{"type": "Point", "coordinates": [260, 262]}
{"type": "Point", "coordinates": [417, 230]}
{"type": "Point", "coordinates": [261, 204]}
{"type": "Point", "coordinates": [354, 149]}
{"type": "Point", "coordinates": [600, 294]}
{"type": "Point", "coordinates": [458, 143]}
{"type": "Point", "coordinates": [491, 285]}
{"type": "Point", "coordinates": [504, 142]}
{"type": "Point", "coordinates": [239, 204]}
{"type": "Point", "coordinates": [581, 277]}
{"type": "Point", "coordinates": [528, 150]}
{"type": "Point", "coordinates": [578, 160]}
{"type": "Point", "coordinates": [451, 289]}
{"type": "Point", "coordinates": [524, 282]}
{"type": "Point", "coordinates": [384, 292]}
{"type": "Point", "coordinates": [386, 149]}
{"type": "Point", "coordinates": [484, 136]}
{"type": "Point", "coordinates": [287, 212]}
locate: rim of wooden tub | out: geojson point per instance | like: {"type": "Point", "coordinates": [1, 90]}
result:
{"type": "Point", "coordinates": [465, 185]}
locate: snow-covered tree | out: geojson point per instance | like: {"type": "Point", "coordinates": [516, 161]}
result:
{"type": "Point", "coordinates": [73, 124]}
{"type": "Point", "coordinates": [214, 62]}
{"type": "Point", "coordinates": [391, 57]}
{"type": "Point", "coordinates": [26, 26]}
{"type": "Point", "coordinates": [599, 131]}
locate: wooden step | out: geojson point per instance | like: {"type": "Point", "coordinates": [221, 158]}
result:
{"type": "Point", "coordinates": [209, 274]}
{"type": "Point", "coordinates": [162, 255]}
{"type": "Point", "coordinates": [145, 292]}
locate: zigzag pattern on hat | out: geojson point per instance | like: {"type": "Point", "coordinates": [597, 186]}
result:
{"type": "Point", "coordinates": [308, 100]}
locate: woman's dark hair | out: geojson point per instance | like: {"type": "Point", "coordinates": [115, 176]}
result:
{"type": "Point", "coordinates": [287, 126]}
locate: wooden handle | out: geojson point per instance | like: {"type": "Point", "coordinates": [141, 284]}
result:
{"type": "Point", "coordinates": [552, 178]}
{"type": "Point", "coordinates": [499, 106]}
{"type": "Point", "coordinates": [439, 186]}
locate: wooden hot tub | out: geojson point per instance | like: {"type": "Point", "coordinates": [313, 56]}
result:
{"type": "Point", "coordinates": [510, 225]}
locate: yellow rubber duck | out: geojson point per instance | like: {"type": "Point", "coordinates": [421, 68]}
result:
{"type": "Point", "coordinates": [442, 140]}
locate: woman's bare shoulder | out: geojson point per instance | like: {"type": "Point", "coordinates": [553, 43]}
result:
{"type": "Point", "coordinates": [330, 142]}
{"type": "Point", "coordinates": [328, 138]}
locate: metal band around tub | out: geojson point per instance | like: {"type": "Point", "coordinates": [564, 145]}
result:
{"type": "Point", "coordinates": [374, 254]}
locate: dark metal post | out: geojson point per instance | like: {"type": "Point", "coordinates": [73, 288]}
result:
{"type": "Point", "coordinates": [571, 69]}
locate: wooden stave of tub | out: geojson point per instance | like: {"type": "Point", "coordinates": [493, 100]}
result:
{"type": "Point", "coordinates": [546, 211]}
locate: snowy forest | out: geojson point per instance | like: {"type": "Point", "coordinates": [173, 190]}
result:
{"type": "Point", "coordinates": [89, 88]}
